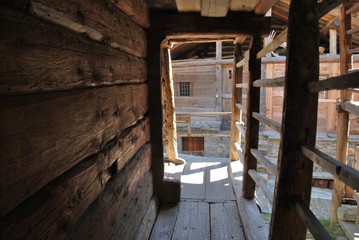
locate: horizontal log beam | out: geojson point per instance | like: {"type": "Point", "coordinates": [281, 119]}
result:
{"type": "Point", "coordinates": [261, 185]}
{"type": "Point", "coordinates": [241, 107]}
{"type": "Point", "coordinates": [274, 82]}
{"type": "Point", "coordinates": [323, 8]}
{"type": "Point", "coordinates": [202, 62]}
{"type": "Point", "coordinates": [174, 24]}
{"type": "Point", "coordinates": [50, 58]}
{"type": "Point", "coordinates": [47, 135]}
{"type": "Point", "coordinates": [349, 80]}
{"type": "Point", "coordinates": [204, 113]}
{"type": "Point", "coordinates": [353, 30]}
{"type": "Point", "coordinates": [264, 160]}
{"type": "Point", "coordinates": [239, 151]}
{"type": "Point", "coordinates": [345, 173]}
{"type": "Point", "coordinates": [276, 42]}
{"type": "Point", "coordinates": [311, 221]}
{"type": "Point", "coordinates": [353, 9]}
{"type": "Point", "coordinates": [267, 121]}
{"type": "Point", "coordinates": [242, 85]}
{"type": "Point", "coordinates": [351, 107]}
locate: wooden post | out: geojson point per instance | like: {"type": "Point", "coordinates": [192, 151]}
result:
{"type": "Point", "coordinates": [343, 116]}
{"type": "Point", "coordinates": [236, 98]}
{"type": "Point", "coordinates": [219, 100]}
{"type": "Point", "coordinates": [252, 124]}
{"type": "Point", "coordinates": [168, 102]}
{"type": "Point", "coordinates": [294, 175]}
{"type": "Point", "coordinates": [333, 41]}
{"type": "Point", "coordinates": [332, 94]}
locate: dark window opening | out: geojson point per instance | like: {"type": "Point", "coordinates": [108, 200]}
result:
{"type": "Point", "coordinates": [184, 89]}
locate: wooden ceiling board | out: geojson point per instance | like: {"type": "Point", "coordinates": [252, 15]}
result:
{"type": "Point", "coordinates": [214, 8]}
{"type": "Point", "coordinates": [188, 5]}
{"type": "Point", "coordinates": [243, 5]}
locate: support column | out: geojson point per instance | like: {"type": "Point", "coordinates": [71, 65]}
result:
{"type": "Point", "coordinates": [252, 124]}
{"type": "Point", "coordinates": [168, 102]}
{"type": "Point", "coordinates": [299, 123]}
{"type": "Point", "coordinates": [343, 116]}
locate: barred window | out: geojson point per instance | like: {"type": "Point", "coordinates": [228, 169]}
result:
{"type": "Point", "coordinates": [184, 89]}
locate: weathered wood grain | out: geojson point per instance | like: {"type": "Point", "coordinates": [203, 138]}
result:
{"type": "Point", "coordinates": [148, 220]}
{"type": "Point", "coordinates": [38, 56]}
{"type": "Point", "coordinates": [136, 9]}
{"type": "Point", "coordinates": [42, 136]}
{"type": "Point", "coordinates": [294, 175]}
{"type": "Point", "coordinates": [192, 221]}
{"type": "Point", "coordinates": [118, 29]}
{"type": "Point", "coordinates": [72, 193]}
{"type": "Point", "coordinates": [165, 223]}
{"type": "Point", "coordinates": [120, 207]}
{"type": "Point", "coordinates": [225, 221]}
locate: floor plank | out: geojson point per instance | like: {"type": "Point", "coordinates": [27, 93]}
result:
{"type": "Point", "coordinates": [165, 223]}
{"type": "Point", "coordinates": [193, 181]}
{"type": "Point", "coordinates": [218, 186]}
{"type": "Point", "coordinates": [192, 221]}
{"type": "Point", "coordinates": [225, 221]}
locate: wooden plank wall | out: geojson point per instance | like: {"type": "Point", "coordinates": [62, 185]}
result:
{"type": "Point", "coordinates": [326, 107]}
{"type": "Point", "coordinates": [74, 133]}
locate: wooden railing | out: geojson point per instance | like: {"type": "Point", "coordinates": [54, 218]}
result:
{"type": "Point", "coordinates": [293, 184]}
{"type": "Point", "coordinates": [186, 117]}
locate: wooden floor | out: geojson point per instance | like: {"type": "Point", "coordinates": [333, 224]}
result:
{"type": "Point", "coordinates": [208, 207]}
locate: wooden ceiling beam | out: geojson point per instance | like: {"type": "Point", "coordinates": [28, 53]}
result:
{"type": "Point", "coordinates": [186, 25]}
{"type": "Point", "coordinates": [263, 6]}
{"type": "Point", "coordinates": [188, 5]}
{"type": "Point", "coordinates": [243, 5]}
{"type": "Point", "coordinates": [217, 8]}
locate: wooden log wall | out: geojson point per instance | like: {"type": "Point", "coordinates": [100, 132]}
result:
{"type": "Point", "coordinates": [74, 121]}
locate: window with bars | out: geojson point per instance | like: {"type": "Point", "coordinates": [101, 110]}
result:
{"type": "Point", "coordinates": [184, 89]}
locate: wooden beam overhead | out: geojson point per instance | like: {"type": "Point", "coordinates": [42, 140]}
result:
{"type": "Point", "coordinates": [263, 6]}
{"type": "Point", "coordinates": [188, 5]}
{"type": "Point", "coordinates": [214, 8]}
{"type": "Point", "coordinates": [243, 5]}
{"type": "Point", "coordinates": [187, 25]}
{"type": "Point", "coordinates": [322, 8]}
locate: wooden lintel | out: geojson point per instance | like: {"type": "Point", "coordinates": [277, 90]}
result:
{"type": "Point", "coordinates": [202, 62]}
{"type": "Point", "coordinates": [189, 24]}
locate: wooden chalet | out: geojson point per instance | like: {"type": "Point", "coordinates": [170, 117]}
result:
{"type": "Point", "coordinates": [87, 97]}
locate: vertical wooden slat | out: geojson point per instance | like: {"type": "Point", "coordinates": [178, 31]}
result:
{"type": "Point", "coordinates": [219, 80]}
{"type": "Point", "coordinates": [252, 125]}
{"type": "Point", "coordinates": [343, 116]}
{"type": "Point", "coordinates": [299, 120]}
{"type": "Point", "coordinates": [237, 76]}
{"type": "Point", "coordinates": [168, 102]}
